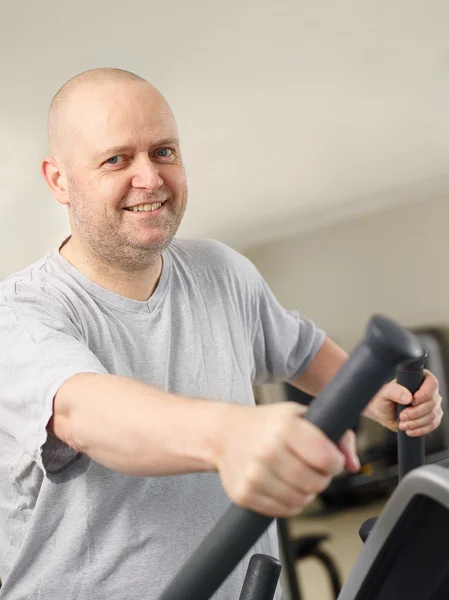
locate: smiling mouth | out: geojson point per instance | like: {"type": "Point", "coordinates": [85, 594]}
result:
{"type": "Point", "coordinates": [145, 207]}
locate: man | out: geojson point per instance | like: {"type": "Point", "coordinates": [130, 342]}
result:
{"type": "Point", "coordinates": [129, 358]}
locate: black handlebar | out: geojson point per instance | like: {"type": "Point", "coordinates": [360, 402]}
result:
{"type": "Point", "coordinates": [385, 346]}
{"type": "Point", "coordinates": [261, 578]}
{"type": "Point", "coordinates": [411, 451]}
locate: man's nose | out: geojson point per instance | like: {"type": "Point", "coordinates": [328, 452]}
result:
{"type": "Point", "coordinates": [147, 175]}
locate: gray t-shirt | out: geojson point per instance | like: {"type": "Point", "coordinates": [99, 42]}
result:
{"type": "Point", "coordinates": [71, 529]}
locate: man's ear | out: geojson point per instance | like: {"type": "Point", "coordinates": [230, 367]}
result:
{"type": "Point", "coordinates": [55, 176]}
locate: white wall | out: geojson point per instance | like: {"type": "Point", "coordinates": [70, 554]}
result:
{"type": "Point", "coordinates": [394, 262]}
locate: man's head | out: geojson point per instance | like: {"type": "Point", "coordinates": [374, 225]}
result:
{"type": "Point", "coordinates": [114, 145]}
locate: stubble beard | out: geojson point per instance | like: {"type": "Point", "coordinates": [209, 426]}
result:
{"type": "Point", "coordinates": [108, 246]}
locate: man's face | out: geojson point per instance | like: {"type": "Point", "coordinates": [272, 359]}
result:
{"type": "Point", "coordinates": [125, 152]}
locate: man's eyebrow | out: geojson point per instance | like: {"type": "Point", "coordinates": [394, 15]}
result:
{"type": "Point", "coordinates": [116, 150]}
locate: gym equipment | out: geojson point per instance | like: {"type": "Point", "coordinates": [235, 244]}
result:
{"type": "Point", "coordinates": [386, 345]}
{"type": "Point", "coordinates": [308, 546]}
{"type": "Point", "coordinates": [406, 548]}
{"type": "Point", "coordinates": [261, 578]}
{"type": "Point", "coordinates": [305, 546]}
{"type": "Point", "coordinates": [379, 474]}
{"type": "Point", "coordinates": [406, 553]}
{"type": "Point", "coordinates": [411, 451]}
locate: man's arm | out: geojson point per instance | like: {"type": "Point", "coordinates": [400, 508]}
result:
{"type": "Point", "coordinates": [268, 459]}
{"type": "Point", "coordinates": [134, 428]}
{"type": "Point", "coordinates": [327, 361]}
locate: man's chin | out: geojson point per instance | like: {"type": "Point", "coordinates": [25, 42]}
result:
{"type": "Point", "coordinates": [156, 242]}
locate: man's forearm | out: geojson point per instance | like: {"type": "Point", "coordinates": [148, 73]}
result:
{"type": "Point", "coordinates": [327, 361]}
{"type": "Point", "coordinates": [136, 429]}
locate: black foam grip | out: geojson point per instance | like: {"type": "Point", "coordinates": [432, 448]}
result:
{"type": "Point", "coordinates": [261, 578]}
{"type": "Point", "coordinates": [411, 451]}
{"type": "Point", "coordinates": [373, 362]}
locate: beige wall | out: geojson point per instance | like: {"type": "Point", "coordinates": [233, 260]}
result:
{"type": "Point", "coordinates": [394, 262]}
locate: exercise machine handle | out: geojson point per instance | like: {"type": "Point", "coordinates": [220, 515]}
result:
{"type": "Point", "coordinates": [261, 578]}
{"type": "Point", "coordinates": [411, 451]}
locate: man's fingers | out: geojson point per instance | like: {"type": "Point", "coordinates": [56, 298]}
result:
{"type": "Point", "coordinates": [314, 448]}
{"type": "Point", "coordinates": [433, 418]}
{"type": "Point", "coordinates": [428, 388]}
{"type": "Point", "coordinates": [423, 430]}
{"type": "Point", "coordinates": [293, 473]}
{"type": "Point", "coordinates": [417, 412]}
{"type": "Point", "coordinates": [279, 499]}
{"type": "Point", "coordinates": [272, 507]}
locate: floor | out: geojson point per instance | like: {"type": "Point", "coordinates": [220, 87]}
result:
{"type": "Point", "coordinates": [344, 545]}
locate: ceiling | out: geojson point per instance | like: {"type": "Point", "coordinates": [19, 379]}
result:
{"type": "Point", "coordinates": [291, 113]}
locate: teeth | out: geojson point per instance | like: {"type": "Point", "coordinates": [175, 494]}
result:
{"type": "Point", "coordinates": [146, 207]}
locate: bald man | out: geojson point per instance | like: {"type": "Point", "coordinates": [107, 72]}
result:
{"type": "Point", "coordinates": [127, 418]}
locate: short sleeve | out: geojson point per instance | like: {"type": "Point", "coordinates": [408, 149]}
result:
{"type": "Point", "coordinates": [41, 347]}
{"type": "Point", "coordinates": [284, 341]}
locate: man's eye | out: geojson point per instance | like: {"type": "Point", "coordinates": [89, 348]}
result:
{"type": "Point", "coordinates": [164, 152]}
{"type": "Point", "coordinates": [114, 160]}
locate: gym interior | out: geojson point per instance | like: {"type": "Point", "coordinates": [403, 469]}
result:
{"type": "Point", "coordinates": [315, 137]}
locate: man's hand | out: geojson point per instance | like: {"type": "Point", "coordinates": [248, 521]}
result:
{"type": "Point", "coordinates": [272, 461]}
{"type": "Point", "coordinates": [423, 416]}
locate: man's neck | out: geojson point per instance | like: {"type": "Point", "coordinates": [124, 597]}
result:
{"type": "Point", "coordinates": [134, 285]}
